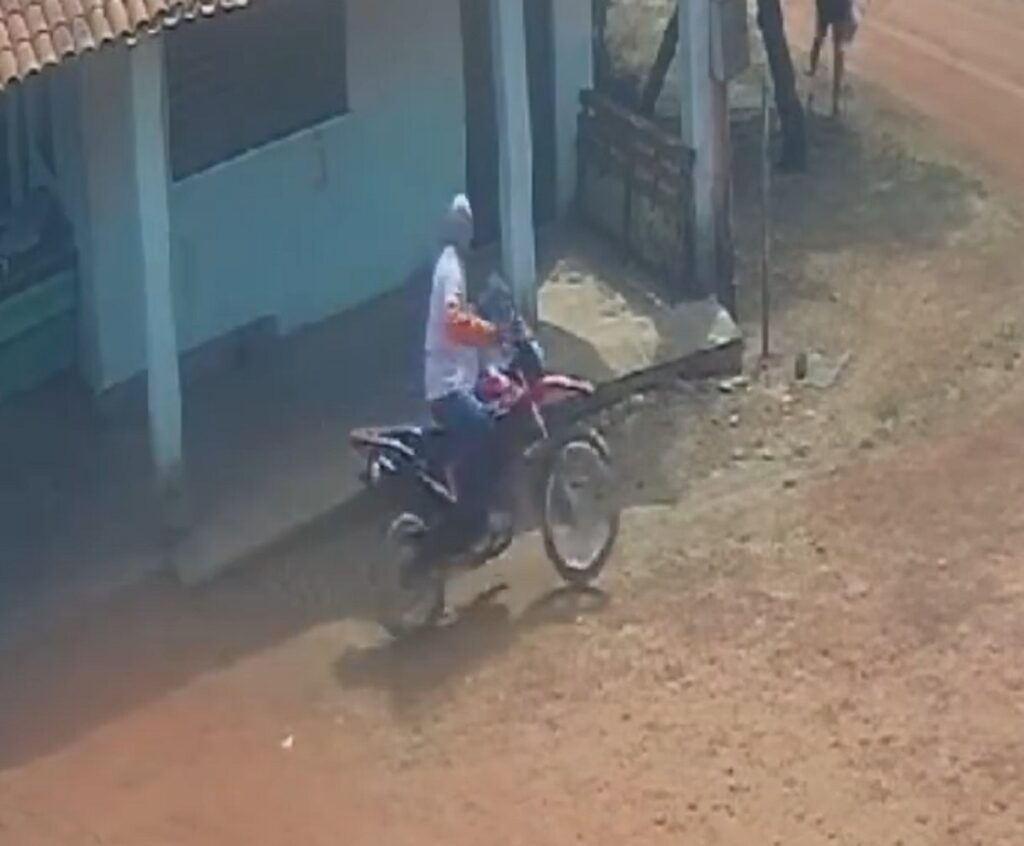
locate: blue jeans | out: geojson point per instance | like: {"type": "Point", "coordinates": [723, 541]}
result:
{"type": "Point", "coordinates": [471, 427]}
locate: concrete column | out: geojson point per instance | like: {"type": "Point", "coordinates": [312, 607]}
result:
{"type": "Point", "coordinates": [515, 151]}
{"type": "Point", "coordinates": [698, 110]}
{"type": "Point", "coordinates": [574, 72]}
{"type": "Point", "coordinates": [151, 186]}
{"type": "Point", "coordinates": [15, 172]}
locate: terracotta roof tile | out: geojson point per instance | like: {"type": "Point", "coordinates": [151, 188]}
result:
{"type": "Point", "coordinates": [8, 65]}
{"type": "Point", "coordinates": [46, 53]}
{"type": "Point", "coordinates": [108, 23]}
{"type": "Point", "coordinates": [54, 12]}
{"type": "Point", "coordinates": [83, 35]}
{"type": "Point", "coordinates": [100, 26]}
{"type": "Point", "coordinates": [28, 61]}
{"type": "Point", "coordinates": [72, 9]}
{"type": "Point", "coordinates": [38, 33]}
{"type": "Point", "coordinates": [35, 20]}
{"type": "Point", "coordinates": [137, 14]}
{"type": "Point", "coordinates": [63, 40]}
{"type": "Point", "coordinates": [17, 29]}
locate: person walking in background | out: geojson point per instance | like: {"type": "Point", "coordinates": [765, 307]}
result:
{"type": "Point", "coordinates": [841, 18]}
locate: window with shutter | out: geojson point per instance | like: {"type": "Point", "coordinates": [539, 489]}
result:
{"type": "Point", "coordinates": [240, 80]}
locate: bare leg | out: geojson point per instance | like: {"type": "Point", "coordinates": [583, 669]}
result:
{"type": "Point", "coordinates": [819, 41]}
{"type": "Point", "coordinates": [838, 71]}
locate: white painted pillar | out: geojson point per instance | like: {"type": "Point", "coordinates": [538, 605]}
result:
{"type": "Point", "coordinates": [574, 72]}
{"type": "Point", "coordinates": [515, 152]}
{"type": "Point", "coordinates": [698, 108]}
{"type": "Point", "coordinates": [151, 184]}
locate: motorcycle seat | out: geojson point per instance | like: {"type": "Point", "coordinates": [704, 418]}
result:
{"type": "Point", "coordinates": [427, 442]}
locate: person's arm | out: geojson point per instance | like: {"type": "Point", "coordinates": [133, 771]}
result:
{"type": "Point", "coordinates": [461, 325]}
{"type": "Point", "coordinates": [467, 329]}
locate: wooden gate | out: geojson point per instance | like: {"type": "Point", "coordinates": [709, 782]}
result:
{"type": "Point", "coordinates": [634, 186]}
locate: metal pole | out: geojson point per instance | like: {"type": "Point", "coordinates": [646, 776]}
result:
{"type": "Point", "coordinates": [766, 214]}
{"type": "Point", "coordinates": [698, 133]}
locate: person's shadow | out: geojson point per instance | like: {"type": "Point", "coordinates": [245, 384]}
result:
{"type": "Point", "coordinates": [409, 670]}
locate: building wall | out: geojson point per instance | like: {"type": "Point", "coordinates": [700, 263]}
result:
{"type": "Point", "coordinates": [329, 218]}
{"type": "Point", "coordinates": [297, 230]}
{"type": "Point", "coordinates": [302, 228]}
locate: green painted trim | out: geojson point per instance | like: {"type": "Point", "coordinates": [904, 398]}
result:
{"type": "Point", "coordinates": [36, 305]}
{"type": "Point", "coordinates": [38, 355]}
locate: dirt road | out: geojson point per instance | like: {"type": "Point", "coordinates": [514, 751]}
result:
{"type": "Point", "coordinates": [812, 632]}
{"type": "Point", "coordinates": [957, 61]}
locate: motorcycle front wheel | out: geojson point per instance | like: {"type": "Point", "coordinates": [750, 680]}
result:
{"type": "Point", "coordinates": [580, 514]}
{"type": "Point", "coordinates": [409, 594]}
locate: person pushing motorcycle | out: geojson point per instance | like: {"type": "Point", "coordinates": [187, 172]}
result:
{"type": "Point", "coordinates": [455, 337]}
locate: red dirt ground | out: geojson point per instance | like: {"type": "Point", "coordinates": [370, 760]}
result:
{"type": "Point", "coordinates": [819, 641]}
{"type": "Point", "coordinates": [955, 61]}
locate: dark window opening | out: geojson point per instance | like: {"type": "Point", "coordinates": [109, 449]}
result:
{"type": "Point", "coordinates": [243, 79]}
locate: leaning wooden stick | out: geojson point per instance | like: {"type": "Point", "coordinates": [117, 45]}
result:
{"type": "Point", "coordinates": [766, 212]}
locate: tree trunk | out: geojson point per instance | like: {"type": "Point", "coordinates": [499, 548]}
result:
{"type": "Point", "coordinates": [787, 101]}
{"type": "Point", "coordinates": [656, 78]}
{"type": "Point", "coordinates": [602, 61]}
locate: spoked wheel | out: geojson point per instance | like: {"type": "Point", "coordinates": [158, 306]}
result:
{"type": "Point", "coordinates": [410, 595]}
{"type": "Point", "coordinates": [581, 513]}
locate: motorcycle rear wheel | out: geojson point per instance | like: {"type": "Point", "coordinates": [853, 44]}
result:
{"type": "Point", "coordinates": [409, 594]}
{"type": "Point", "coordinates": [578, 468]}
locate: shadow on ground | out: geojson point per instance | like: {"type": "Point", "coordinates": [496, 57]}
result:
{"type": "Point", "coordinates": [154, 637]}
{"type": "Point", "coordinates": [474, 634]}
{"type": "Point", "coordinates": [863, 193]}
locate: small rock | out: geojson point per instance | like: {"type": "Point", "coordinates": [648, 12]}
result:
{"type": "Point", "coordinates": [867, 443]}
{"type": "Point", "coordinates": [661, 820]}
{"type": "Point", "coordinates": [767, 455]}
{"type": "Point", "coordinates": [857, 588]}
{"type": "Point", "coordinates": [288, 743]}
{"type": "Point", "coordinates": [732, 386]}
{"type": "Point", "coordinates": [739, 454]}
{"type": "Point", "coordinates": [800, 367]}
{"type": "Point", "coordinates": [636, 402]}
{"type": "Point", "coordinates": [789, 483]}
{"type": "Point", "coordinates": [734, 420]}
{"type": "Point", "coordinates": [820, 371]}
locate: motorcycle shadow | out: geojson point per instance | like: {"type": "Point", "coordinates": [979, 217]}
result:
{"type": "Point", "coordinates": [410, 670]}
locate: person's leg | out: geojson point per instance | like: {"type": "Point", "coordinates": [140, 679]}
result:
{"type": "Point", "coordinates": [816, 45]}
{"type": "Point", "coordinates": [471, 427]}
{"type": "Point", "coordinates": [838, 68]}
{"type": "Point", "coordinates": [820, 31]}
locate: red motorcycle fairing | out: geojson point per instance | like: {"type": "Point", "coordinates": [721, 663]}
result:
{"type": "Point", "coordinates": [554, 387]}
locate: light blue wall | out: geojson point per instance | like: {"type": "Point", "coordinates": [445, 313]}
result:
{"type": "Point", "coordinates": [303, 228]}
{"type": "Point", "coordinates": [297, 230]}
{"type": "Point", "coordinates": [322, 221]}
{"type": "Point", "coordinates": [311, 226]}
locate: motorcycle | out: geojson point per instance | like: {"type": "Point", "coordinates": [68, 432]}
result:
{"type": "Point", "coordinates": [569, 470]}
